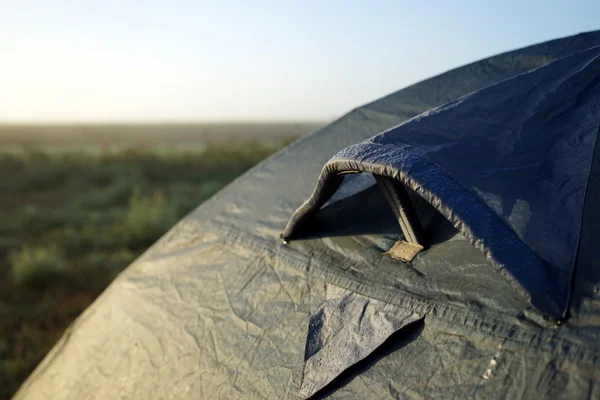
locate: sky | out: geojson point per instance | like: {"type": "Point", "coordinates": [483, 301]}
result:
{"type": "Point", "coordinates": [184, 60]}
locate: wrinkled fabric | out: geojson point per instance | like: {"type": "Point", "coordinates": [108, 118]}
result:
{"type": "Point", "coordinates": [219, 308]}
{"type": "Point", "coordinates": [433, 362]}
{"type": "Point", "coordinates": [507, 165]}
{"type": "Point", "coordinates": [212, 319]}
{"type": "Point", "coordinates": [344, 330]}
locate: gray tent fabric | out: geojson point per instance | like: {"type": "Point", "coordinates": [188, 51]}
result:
{"type": "Point", "coordinates": [345, 329]}
{"type": "Point", "coordinates": [219, 308]}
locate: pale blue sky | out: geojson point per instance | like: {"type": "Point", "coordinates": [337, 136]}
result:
{"type": "Point", "coordinates": [127, 60]}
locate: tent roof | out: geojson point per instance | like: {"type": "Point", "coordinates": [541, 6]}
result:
{"type": "Point", "coordinates": [508, 165]}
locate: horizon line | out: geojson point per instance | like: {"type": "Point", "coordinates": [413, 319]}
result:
{"type": "Point", "coordinates": [163, 122]}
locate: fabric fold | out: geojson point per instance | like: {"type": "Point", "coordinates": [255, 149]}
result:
{"type": "Point", "coordinates": [345, 330]}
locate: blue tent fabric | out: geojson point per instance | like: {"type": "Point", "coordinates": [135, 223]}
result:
{"type": "Point", "coordinates": [508, 165]}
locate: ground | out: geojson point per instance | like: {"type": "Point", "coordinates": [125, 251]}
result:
{"type": "Point", "coordinates": [79, 203]}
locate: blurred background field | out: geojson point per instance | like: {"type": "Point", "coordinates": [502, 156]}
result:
{"type": "Point", "coordinates": [79, 203]}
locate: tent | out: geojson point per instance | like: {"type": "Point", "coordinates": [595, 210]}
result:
{"type": "Point", "coordinates": [436, 243]}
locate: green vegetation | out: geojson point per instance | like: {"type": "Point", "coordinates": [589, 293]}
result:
{"type": "Point", "coordinates": [36, 267]}
{"type": "Point", "coordinates": [72, 220]}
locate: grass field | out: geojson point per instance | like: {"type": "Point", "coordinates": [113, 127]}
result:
{"type": "Point", "coordinates": [78, 204]}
